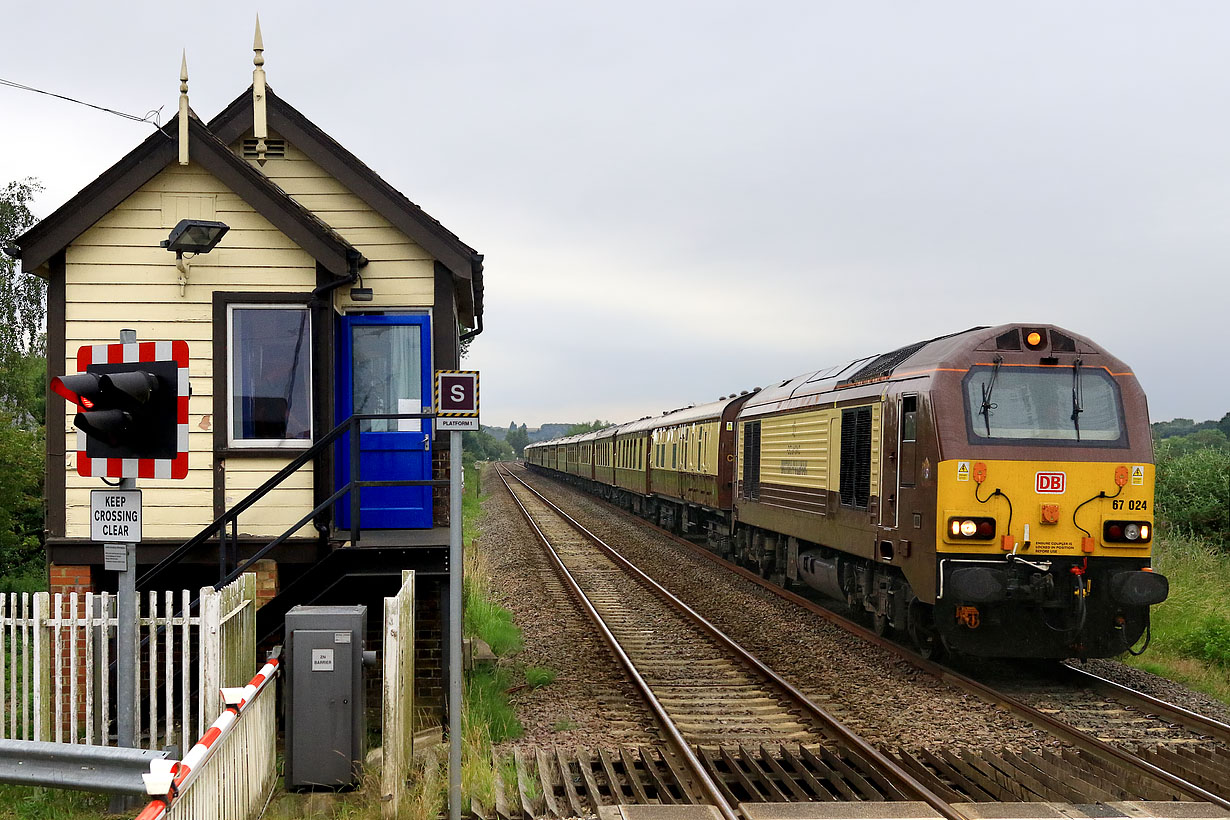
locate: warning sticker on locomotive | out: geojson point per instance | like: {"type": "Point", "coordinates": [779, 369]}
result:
{"type": "Point", "coordinates": [962, 471]}
{"type": "Point", "coordinates": [1050, 483]}
{"type": "Point", "coordinates": [1138, 476]}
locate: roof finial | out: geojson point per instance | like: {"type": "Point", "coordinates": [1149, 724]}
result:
{"type": "Point", "coordinates": [260, 127]}
{"type": "Point", "coordinates": [183, 110]}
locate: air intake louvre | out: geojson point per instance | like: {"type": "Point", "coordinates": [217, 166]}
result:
{"type": "Point", "coordinates": [274, 149]}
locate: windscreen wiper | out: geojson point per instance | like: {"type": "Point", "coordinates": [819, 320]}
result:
{"type": "Point", "coordinates": [1078, 398]}
{"type": "Point", "coordinates": [987, 406]}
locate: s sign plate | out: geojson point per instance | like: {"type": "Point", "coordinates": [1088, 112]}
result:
{"type": "Point", "coordinates": [1050, 483]}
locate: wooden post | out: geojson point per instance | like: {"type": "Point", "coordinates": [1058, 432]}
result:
{"type": "Point", "coordinates": [42, 669]}
{"type": "Point", "coordinates": [211, 656]}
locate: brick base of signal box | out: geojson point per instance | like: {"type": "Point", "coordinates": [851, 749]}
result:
{"type": "Point", "coordinates": [65, 580]}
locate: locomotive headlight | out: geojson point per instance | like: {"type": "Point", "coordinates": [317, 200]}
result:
{"type": "Point", "coordinates": [1144, 532]}
{"type": "Point", "coordinates": [968, 527]}
{"type": "Point", "coordinates": [1131, 532]}
{"type": "Point", "coordinates": [956, 526]}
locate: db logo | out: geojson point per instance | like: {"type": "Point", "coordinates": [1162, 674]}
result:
{"type": "Point", "coordinates": [1050, 482]}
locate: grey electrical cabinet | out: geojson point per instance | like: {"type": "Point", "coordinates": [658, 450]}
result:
{"type": "Point", "coordinates": [325, 727]}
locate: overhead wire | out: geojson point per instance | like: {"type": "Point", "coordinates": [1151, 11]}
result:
{"type": "Point", "coordinates": [153, 116]}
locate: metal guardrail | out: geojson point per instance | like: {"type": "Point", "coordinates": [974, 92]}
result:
{"type": "Point", "coordinates": [64, 766]}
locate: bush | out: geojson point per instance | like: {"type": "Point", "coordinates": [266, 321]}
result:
{"type": "Point", "coordinates": [1193, 491]}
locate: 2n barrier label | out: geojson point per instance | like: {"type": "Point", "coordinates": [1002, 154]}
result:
{"type": "Point", "coordinates": [1050, 483]}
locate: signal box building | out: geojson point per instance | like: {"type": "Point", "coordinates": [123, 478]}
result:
{"type": "Point", "coordinates": [331, 294]}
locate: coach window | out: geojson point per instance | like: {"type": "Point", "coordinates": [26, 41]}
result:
{"type": "Point", "coordinates": [269, 375]}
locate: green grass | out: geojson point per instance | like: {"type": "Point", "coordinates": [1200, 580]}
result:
{"type": "Point", "coordinates": [31, 581]}
{"type": "Point", "coordinates": [35, 803]}
{"type": "Point", "coordinates": [537, 676]}
{"type": "Point", "coordinates": [563, 725]}
{"type": "Point", "coordinates": [1191, 628]}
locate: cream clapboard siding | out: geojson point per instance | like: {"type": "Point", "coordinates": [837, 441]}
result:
{"type": "Point", "coordinates": [118, 277]}
{"type": "Point", "coordinates": [401, 273]}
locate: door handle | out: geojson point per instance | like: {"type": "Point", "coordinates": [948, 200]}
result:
{"type": "Point", "coordinates": [426, 441]}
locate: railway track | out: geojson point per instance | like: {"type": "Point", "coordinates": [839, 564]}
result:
{"type": "Point", "coordinates": [705, 689]}
{"type": "Point", "coordinates": [1153, 748]}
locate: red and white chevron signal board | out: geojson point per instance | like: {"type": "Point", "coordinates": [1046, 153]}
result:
{"type": "Point", "coordinates": [168, 362]}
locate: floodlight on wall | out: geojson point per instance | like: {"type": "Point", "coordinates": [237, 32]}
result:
{"type": "Point", "coordinates": [192, 236]}
{"type": "Point", "coordinates": [361, 294]}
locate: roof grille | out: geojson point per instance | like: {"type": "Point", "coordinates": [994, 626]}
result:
{"type": "Point", "coordinates": [274, 149]}
{"type": "Point", "coordinates": [884, 365]}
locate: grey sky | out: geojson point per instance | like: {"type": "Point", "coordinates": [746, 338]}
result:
{"type": "Point", "coordinates": [678, 200]}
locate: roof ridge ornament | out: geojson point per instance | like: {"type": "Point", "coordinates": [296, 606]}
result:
{"type": "Point", "coordinates": [260, 126]}
{"type": "Point", "coordinates": [183, 109]}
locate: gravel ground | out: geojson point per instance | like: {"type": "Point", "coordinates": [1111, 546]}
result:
{"type": "Point", "coordinates": [885, 699]}
{"type": "Point", "coordinates": [1160, 688]}
{"type": "Point", "coordinates": [590, 703]}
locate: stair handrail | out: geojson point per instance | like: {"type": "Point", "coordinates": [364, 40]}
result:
{"type": "Point", "coordinates": [218, 525]}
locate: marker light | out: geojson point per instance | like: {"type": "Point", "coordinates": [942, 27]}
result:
{"type": "Point", "coordinates": [1134, 533]}
{"type": "Point", "coordinates": [1035, 339]}
{"type": "Point", "coordinates": [956, 526]}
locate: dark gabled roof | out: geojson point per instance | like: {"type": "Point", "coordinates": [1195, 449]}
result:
{"type": "Point", "coordinates": [445, 246]}
{"type": "Point", "coordinates": [143, 163]}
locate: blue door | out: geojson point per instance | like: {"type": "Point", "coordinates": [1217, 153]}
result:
{"type": "Point", "coordinates": [385, 367]}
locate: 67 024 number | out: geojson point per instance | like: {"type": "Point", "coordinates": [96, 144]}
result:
{"type": "Point", "coordinates": [1132, 504]}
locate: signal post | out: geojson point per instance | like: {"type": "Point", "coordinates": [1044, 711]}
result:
{"type": "Point", "coordinates": [132, 422]}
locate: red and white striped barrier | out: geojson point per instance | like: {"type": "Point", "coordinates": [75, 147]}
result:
{"type": "Point", "coordinates": [185, 770]}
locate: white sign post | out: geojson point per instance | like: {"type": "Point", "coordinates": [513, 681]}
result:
{"type": "Point", "coordinates": [456, 410]}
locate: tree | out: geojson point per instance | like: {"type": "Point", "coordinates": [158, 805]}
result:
{"type": "Point", "coordinates": [517, 438]}
{"type": "Point", "coordinates": [23, 374]}
{"type": "Point", "coordinates": [588, 427]}
{"type": "Point", "coordinates": [23, 311]}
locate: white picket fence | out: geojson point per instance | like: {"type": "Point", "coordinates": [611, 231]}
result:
{"type": "Point", "coordinates": [56, 683]}
{"type": "Point", "coordinates": [397, 729]}
{"type": "Point", "coordinates": [231, 771]}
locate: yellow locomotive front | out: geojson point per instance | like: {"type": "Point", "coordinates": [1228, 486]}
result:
{"type": "Point", "coordinates": [1044, 501]}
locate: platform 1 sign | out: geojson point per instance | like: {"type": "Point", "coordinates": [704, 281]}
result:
{"type": "Point", "coordinates": [115, 516]}
{"type": "Point", "coordinates": [457, 400]}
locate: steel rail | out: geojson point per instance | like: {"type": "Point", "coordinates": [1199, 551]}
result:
{"type": "Point", "coordinates": [1077, 738]}
{"type": "Point", "coordinates": [1192, 721]}
{"type": "Point", "coordinates": [900, 778]}
{"type": "Point", "coordinates": [711, 791]}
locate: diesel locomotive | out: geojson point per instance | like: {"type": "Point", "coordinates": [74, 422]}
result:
{"type": "Point", "coordinates": [989, 492]}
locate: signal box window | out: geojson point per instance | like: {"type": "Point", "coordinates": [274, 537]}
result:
{"type": "Point", "coordinates": [270, 351]}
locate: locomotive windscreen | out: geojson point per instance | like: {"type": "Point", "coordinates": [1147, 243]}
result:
{"type": "Point", "coordinates": [1045, 405]}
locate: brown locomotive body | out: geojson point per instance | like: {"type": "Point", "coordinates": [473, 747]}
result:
{"type": "Point", "coordinates": [990, 492]}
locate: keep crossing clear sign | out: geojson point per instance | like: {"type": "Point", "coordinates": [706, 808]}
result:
{"type": "Point", "coordinates": [115, 516]}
